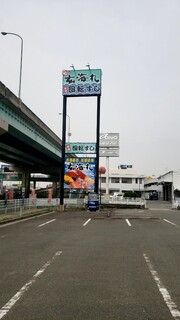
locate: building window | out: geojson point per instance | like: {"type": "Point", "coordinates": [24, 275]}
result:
{"type": "Point", "coordinates": [136, 180]}
{"type": "Point", "coordinates": [126, 180]}
{"type": "Point", "coordinates": [103, 179]}
{"type": "Point", "coordinates": [114, 180]}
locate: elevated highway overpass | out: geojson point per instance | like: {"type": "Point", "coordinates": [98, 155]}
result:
{"type": "Point", "coordinates": [25, 141]}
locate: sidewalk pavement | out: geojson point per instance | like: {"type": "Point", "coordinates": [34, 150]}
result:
{"type": "Point", "coordinates": [158, 204]}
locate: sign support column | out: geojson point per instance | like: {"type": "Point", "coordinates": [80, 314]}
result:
{"type": "Point", "coordinates": [97, 145]}
{"type": "Point", "coordinates": [63, 153]}
{"type": "Point", "coordinates": [82, 83]}
{"type": "Point", "coordinates": [107, 175]}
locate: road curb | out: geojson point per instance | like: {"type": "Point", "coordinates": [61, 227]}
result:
{"type": "Point", "coordinates": [17, 218]}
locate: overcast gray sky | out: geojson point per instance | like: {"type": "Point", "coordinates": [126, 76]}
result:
{"type": "Point", "coordinates": [136, 43]}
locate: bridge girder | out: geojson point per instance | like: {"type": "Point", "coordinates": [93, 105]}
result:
{"type": "Point", "coordinates": [17, 147]}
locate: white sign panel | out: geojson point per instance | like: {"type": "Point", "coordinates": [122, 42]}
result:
{"type": "Point", "coordinates": [109, 140]}
{"type": "Point", "coordinates": [107, 152]}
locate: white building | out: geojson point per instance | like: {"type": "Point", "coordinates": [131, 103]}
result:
{"type": "Point", "coordinates": [170, 183]}
{"type": "Point", "coordinates": [151, 185]}
{"type": "Point", "coordinates": [122, 180]}
{"type": "Point", "coordinates": [167, 185]}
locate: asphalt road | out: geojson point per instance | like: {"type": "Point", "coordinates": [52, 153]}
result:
{"type": "Point", "coordinates": [68, 266]}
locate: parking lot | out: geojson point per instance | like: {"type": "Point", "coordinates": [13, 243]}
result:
{"type": "Point", "coordinates": [78, 265]}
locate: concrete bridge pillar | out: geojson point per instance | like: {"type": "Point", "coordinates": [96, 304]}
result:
{"type": "Point", "coordinates": [54, 189]}
{"type": "Point", "coordinates": [34, 185]}
{"type": "Point", "coordinates": [26, 182]}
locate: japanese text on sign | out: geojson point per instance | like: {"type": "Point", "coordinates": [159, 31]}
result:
{"type": "Point", "coordinates": [79, 173]}
{"type": "Point", "coordinates": [81, 82]}
{"type": "Point", "coordinates": [80, 148]}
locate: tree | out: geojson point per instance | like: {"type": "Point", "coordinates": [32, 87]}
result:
{"type": "Point", "coordinates": [131, 194]}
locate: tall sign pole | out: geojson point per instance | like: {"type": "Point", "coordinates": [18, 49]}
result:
{"type": "Point", "coordinates": [63, 153]}
{"type": "Point", "coordinates": [107, 175]}
{"type": "Point", "coordinates": [109, 147]}
{"type": "Point", "coordinates": [97, 145]}
{"type": "Point", "coordinates": [80, 83]}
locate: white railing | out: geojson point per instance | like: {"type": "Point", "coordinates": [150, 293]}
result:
{"type": "Point", "coordinates": [123, 201]}
{"type": "Point", "coordinates": [129, 201]}
{"type": "Point", "coordinates": [21, 205]}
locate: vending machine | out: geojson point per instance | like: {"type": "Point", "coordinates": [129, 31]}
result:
{"type": "Point", "coordinates": [93, 201]}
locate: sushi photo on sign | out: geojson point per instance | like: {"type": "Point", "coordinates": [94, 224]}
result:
{"type": "Point", "coordinates": [79, 173]}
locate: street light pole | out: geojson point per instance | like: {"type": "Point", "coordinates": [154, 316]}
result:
{"type": "Point", "coordinates": [21, 57]}
{"type": "Point", "coordinates": [69, 133]}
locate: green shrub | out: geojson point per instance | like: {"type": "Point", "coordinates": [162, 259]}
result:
{"type": "Point", "coordinates": [131, 194]}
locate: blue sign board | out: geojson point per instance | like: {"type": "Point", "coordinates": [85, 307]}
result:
{"type": "Point", "coordinates": [125, 166]}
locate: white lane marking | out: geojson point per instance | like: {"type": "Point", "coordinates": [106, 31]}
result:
{"type": "Point", "coordinates": [166, 296]}
{"type": "Point", "coordinates": [6, 308]}
{"type": "Point", "coordinates": [43, 224]}
{"type": "Point", "coordinates": [171, 223]}
{"type": "Point", "coordinates": [129, 224]}
{"type": "Point", "coordinates": [86, 222]}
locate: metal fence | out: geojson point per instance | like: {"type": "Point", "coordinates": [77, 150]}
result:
{"type": "Point", "coordinates": [27, 204]}
{"type": "Point", "coordinates": [128, 201]}
{"type": "Point", "coordinates": [21, 205]}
